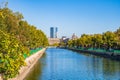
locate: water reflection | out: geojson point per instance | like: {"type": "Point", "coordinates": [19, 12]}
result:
{"type": "Point", "coordinates": [36, 71]}
{"type": "Point", "coordinates": [60, 64]}
{"type": "Point", "coordinates": [111, 69]}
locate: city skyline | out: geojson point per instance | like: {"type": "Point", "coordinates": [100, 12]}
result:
{"type": "Point", "coordinates": [71, 16]}
{"type": "Point", "coordinates": [53, 32]}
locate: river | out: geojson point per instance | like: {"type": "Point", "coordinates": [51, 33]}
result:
{"type": "Point", "coordinates": [62, 64]}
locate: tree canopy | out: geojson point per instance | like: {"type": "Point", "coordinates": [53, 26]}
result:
{"type": "Point", "coordinates": [106, 40]}
{"type": "Point", "coordinates": [17, 37]}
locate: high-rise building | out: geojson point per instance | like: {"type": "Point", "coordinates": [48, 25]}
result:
{"type": "Point", "coordinates": [56, 31]}
{"type": "Point", "coordinates": [51, 32]}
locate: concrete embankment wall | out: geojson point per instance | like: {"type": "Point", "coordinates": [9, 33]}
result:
{"type": "Point", "coordinates": [102, 54]}
{"type": "Point", "coordinates": [30, 61]}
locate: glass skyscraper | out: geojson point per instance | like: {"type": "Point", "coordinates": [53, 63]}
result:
{"type": "Point", "coordinates": [56, 30]}
{"type": "Point", "coordinates": [53, 32]}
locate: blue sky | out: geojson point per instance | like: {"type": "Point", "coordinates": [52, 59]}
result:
{"type": "Point", "coordinates": [70, 16]}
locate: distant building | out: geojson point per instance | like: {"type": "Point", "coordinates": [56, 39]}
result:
{"type": "Point", "coordinates": [56, 32]}
{"type": "Point", "coordinates": [53, 41]}
{"type": "Point", "coordinates": [53, 36]}
{"type": "Point", "coordinates": [64, 39]}
{"type": "Point", "coordinates": [74, 37]}
{"type": "Point", "coordinates": [51, 32]}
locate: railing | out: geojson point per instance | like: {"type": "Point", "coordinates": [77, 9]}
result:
{"type": "Point", "coordinates": [32, 52]}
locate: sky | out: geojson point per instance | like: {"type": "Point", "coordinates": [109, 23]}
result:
{"type": "Point", "coordinates": [70, 16]}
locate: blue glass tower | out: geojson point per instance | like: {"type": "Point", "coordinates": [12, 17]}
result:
{"type": "Point", "coordinates": [56, 31]}
{"type": "Point", "coordinates": [51, 32]}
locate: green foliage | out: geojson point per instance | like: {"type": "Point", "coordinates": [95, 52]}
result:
{"type": "Point", "coordinates": [97, 40]}
{"type": "Point", "coordinates": [11, 55]}
{"type": "Point", "coordinates": [117, 33]}
{"type": "Point", "coordinates": [27, 34]}
{"type": "Point", "coordinates": [30, 36]}
{"type": "Point", "coordinates": [106, 40]}
{"type": "Point", "coordinates": [70, 43]}
{"type": "Point", "coordinates": [17, 37]}
{"type": "Point", "coordinates": [109, 38]}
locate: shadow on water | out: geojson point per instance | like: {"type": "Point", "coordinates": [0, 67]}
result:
{"type": "Point", "coordinates": [36, 71]}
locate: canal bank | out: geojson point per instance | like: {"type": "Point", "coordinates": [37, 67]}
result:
{"type": "Point", "coordinates": [109, 55]}
{"type": "Point", "coordinates": [30, 62]}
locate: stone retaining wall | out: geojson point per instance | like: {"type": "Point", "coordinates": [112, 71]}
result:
{"type": "Point", "coordinates": [30, 61]}
{"type": "Point", "coordinates": [102, 54]}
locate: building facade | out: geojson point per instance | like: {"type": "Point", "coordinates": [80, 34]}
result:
{"type": "Point", "coordinates": [74, 37]}
{"type": "Point", "coordinates": [53, 32]}
{"type": "Point", "coordinates": [56, 32]}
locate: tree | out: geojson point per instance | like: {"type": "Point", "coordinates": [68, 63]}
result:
{"type": "Point", "coordinates": [11, 55]}
{"type": "Point", "coordinates": [117, 33]}
{"type": "Point", "coordinates": [70, 43]}
{"type": "Point", "coordinates": [85, 40]}
{"type": "Point", "coordinates": [97, 40]}
{"type": "Point", "coordinates": [109, 38]}
{"type": "Point", "coordinates": [17, 37]}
